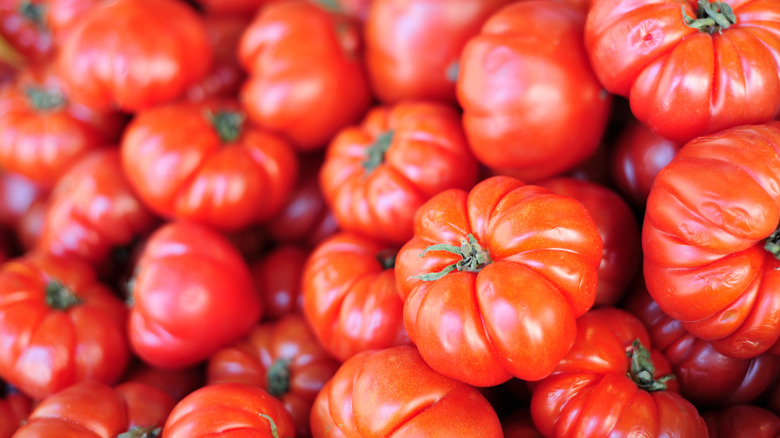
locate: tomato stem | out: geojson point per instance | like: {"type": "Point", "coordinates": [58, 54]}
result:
{"type": "Point", "coordinates": [141, 432]}
{"type": "Point", "coordinates": [642, 370]}
{"type": "Point", "coordinates": [473, 258]}
{"type": "Point", "coordinates": [376, 152]}
{"type": "Point", "coordinates": [44, 100]}
{"type": "Point", "coordinates": [772, 243]}
{"type": "Point", "coordinates": [228, 124]}
{"type": "Point", "coordinates": [60, 297]}
{"type": "Point", "coordinates": [710, 17]}
{"type": "Point", "coordinates": [330, 5]}
{"type": "Point", "coordinates": [279, 377]}
{"type": "Point", "coordinates": [452, 71]}
{"type": "Point", "coordinates": [386, 258]}
{"type": "Point", "coordinates": [33, 12]}
{"type": "Point", "coordinates": [274, 430]}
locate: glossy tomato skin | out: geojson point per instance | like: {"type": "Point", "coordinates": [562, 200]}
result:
{"type": "Point", "coordinates": [15, 407]}
{"type": "Point", "coordinates": [425, 152]}
{"type": "Point", "coordinates": [590, 393]}
{"type": "Point", "coordinates": [742, 421]}
{"type": "Point", "coordinates": [245, 410]}
{"type": "Point", "coordinates": [532, 107]}
{"type": "Point", "coordinates": [63, 15]}
{"type": "Point", "coordinates": [282, 357]}
{"type": "Point", "coordinates": [707, 219]}
{"type": "Point", "coordinates": [394, 393]}
{"type": "Point", "coordinates": [350, 298]}
{"type": "Point", "coordinates": [413, 48]}
{"type": "Point", "coordinates": [112, 57]}
{"type": "Point", "coordinates": [516, 315]}
{"type": "Point", "coordinates": [306, 76]}
{"type": "Point", "coordinates": [17, 194]}
{"type": "Point", "coordinates": [278, 277]}
{"type": "Point", "coordinates": [619, 231]}
{"type": "Point", "coordinates": [683, 82]}
{"type": "Point", "coordinates": [192, 295]}
{"type": "Point", "coordinates": [22, 25]}
{"type": "Point", "coordinates": [80, 336]}
{"type": "Point", "coordinates": [182, 166]}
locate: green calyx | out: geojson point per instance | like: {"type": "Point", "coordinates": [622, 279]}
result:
{"type": "Point", "coordinates": [229, 124]}
{"type": "Point", "coordinates": [386, 258]}
{"type": "Point", "coordinates": [375, 154]}
{"type": "Point", "coordinates": [473, 258]}
{"type": "Point", "coordinates": [33, 12]}
{"type": "Point", "coordinates": [59, 296]}
{"type": "Point", "coordinates": [642, 371]}
{"type": "Point", "coordinates": [710, 17]}
{"type": "Point", "coordinates": [279, 377]}
{"type": "Point", "coordinates": [141, 432]}
{"type": "Point", "coordinates": [772, 243]}
{"type": "Point", "coordinates": [44, 100]}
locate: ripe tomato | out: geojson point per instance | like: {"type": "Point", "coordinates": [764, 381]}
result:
{"type": "Point", "coordinates": [613, 383]}
{"type": "Point", "coordinates": [532, 107]}
{"type": "Point", "coordinates": [177, 383]}
{"type": "Point", "coordinates": [282, 357]}
{"type": "Point", "coordinates": [742, 421]}
{"type": "Point", "coordinates": [23, 26]}
{"type": "Point", "coordinates": [689, 68]}
{"type": "Point", "coordinates": [231, 8]}
{"type": "Point", "coordinates": [519, 424]}
{"type": "Point", "coordinates": [15, 407]}
{"type": "Point", "coordinates": [278, 278]}
{"type": "Point", "coordinates": [393, 393]}
{"type": "Point", "coordinates": [58, 326]}
{"type": "Point", "coordinates": [494, 279]}
{"type": "Point", "coordinates": [350, 298]}
{"type": "Point", "coordinates": [131, 54]}
{"type": "Point", "coordinates": [306, 76]}
{"type": "Point", "coordinates": [63, 15]}
{"type": "Point", "coordinates": [204, 163]}
{"type": "Point", "coordinates": [192, 295]}
{"type": "Point", "coordinates": [17, 194]}
{"type": "Point", "coordinates": [709, 248]}
{"type": "Point", "coordinates": [377, 175]}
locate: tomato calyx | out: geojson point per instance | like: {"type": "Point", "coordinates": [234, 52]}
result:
{"type": "Point", "coordinates": [375, 154]}
{"type": "Point", "coordinates": [710, 17]}
{"type": "Point", "coordinates": [278, 376]}
{"type": "Point", "coordinates": [229, 125]}
{"type": "Point", "coordinates": [59, 296]}
{"type": "Point", "coordinates": [386, 258]}
{"type": "Point", "coordinates": [33, 12]}
{"type": "Point", "coordinates": [473, 258]}
{"type": "Point", "coordinates": [330, 6]}
{"type": "Point", "coordinates": [772, 243]}
{"type": "Point", "coordinates": [641, 370]}
{"type": "Point", "coordinates": [44, 100]}
{"type": "Point", "coordinates": [274, 429]}
{"type": "Point", "coordinates": [453, 70]}
{"type": "Point", "coordinates": [141, 432]}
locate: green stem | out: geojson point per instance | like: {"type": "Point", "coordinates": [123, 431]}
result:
{"type": "Point", "coordinates": [452, 71]}
{"type": "Point", "coordinates": [710, 17]}
{"type": "Point", "coordinates": [642, 371]}
{"type": "Point", "coordinates": [279, 378]}
{"type": "Point", "coordinates": [34, 12]}
{"type": "Point", "coordinates": [473, 258]}
{"type": "Point", "coordinates": [60, 297]}
{"type": "Point", "coordinates": [44, 100]}
{"type": "Point", "coordinates": [274, 429]}
{"type": "Point", "coordinates": [772, 243]}
{"type": "Point", "coordinates": [376, 152]}
{"type": "Point", "coordinates": [229, 124]}
{"type": "Point", "coordinates": [330, 5]}
{"type": "Point", "coordinates": [141, 432]}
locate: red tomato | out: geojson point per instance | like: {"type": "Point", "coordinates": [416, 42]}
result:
{"type": "Point", "coordinates": [306, 76]}
{"type": "Point", "coordinates": [278, 277]}
{"type": "Point", "coordinates": [689, 68]}
{"type": "Point", "coordinates": [282, 357]}
{"type": "Point", "coordinates": [131, 54]}
{"type": "Point", "coordinates": [15, 407]}
{"type": "Point", "coordinates": [532, 107]}
{"type": "Point", "coordinates": [413, 47]}
{"type": "Point", "coordinates": [58, 326]}
{"type": "Point", "coordinates": [62, 16]}
{"type": "Point", "coordinates": [613, 383]}
{"type": "Point", "coordinates": [231, 8]}
{"type": "Point", "coordinates": [708, 239]}
{"type": "Point", "coordinates": [176, 383]}
{"type": "Point", "coordinates": [94, 409]}
{"type": "Point", "coordinates": [742, 421]}
{"type": "Point", "coordinates": [494, 279]}
{"type": "Point", "coordinates": [30, 226]}
{"type": "Point", "coordinates": [350, 298]}
{"type": "Point", "coordinates": [192, 295]}
{"type": "Point", "coordinates": [23, 26]}
{"type": "Point", "coordinates": [377, 175]}
{"type": "Point", "coordinates": [520, 425]}
{"type": "Point", "coordinates": [17, 194]}
{"type": "Point", "coordinates": [393, 393]}
{"type": "Point", "coordinates": [619, 231]}
{"type": "Point", "coordinates": [229, 409]}
{"type": "Point", "coordinates": [203, 163]}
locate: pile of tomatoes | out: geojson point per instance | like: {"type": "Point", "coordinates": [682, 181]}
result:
{"type": "Point", "coordinates": [376, 218]}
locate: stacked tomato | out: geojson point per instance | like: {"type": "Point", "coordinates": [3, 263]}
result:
{"type": "Point", "coordinates": [375, 218]}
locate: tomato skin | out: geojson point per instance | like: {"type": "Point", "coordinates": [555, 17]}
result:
{"type": "Point", "coordinates": [619, 231]}
{"type": "Point", "coordinates": [15, 407]}
{"type": "Point", "coordinates": [681, 82]}
{"type": "Point", "coordinates": [278, 277]}
{"type": "Point", "coordinates": [301, 57]}
{"type": "Point", "coordinates": [511, 126]}
{"type": "Point", "coordinates": [182, 168]}
{"type": "Point", "coordinates": [428, 153]}
{"type": "Point", "coordinates": [590, 393]}
{"type": "Point", "coordinates": [29, 37]}
{"type": "Point", "coordinates": [44, 349]}
{"type": "Point", "coordinates": [411, 46]}
{"type": "Point", "coordinates": [708, 215]}
{"type": "Point", "coordinates": [519, 424]}
{"type": "Point", "coordinates": [350, 299]}
{"type": "Point", "coordinates": [515, 317]}
{"type": "Point", "coordinates": [17, 194]}
{"type": "Point", "coordinates": [231, 8]}
{"type": "Point", "coordinates": [742, 421]}
{"type": "Point", "coordinates": [228, 407]}
{"type": "Point", "coordinates": [193, 294]}
{"type": "Point", "coordinates": [393, 393]}
{"type": "Point", "coordinates": [101, 73]}
{"type": "Point", "coordinates": [282, 350]}
{"type": "Point", "coordinates": [63, 15]}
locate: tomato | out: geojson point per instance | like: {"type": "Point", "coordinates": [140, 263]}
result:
{"type": "Point", "coordinates": [17, 194]}
{"type": "Point", "coordinates": [204, 163]}
{"type": "Point", "coordinates": [58, 326]}
{"type": "Point", "coordinates": [176, 383]}
{"type": "Point", "coordinates": [377, 175]}
{"type": "Point", "coordinates": [306, 76]}
{"type": "Point", "coordinates": [689, 68]}
{"type": "Point", "coordinates": [15, 407]}
{"type": "Point", "coordinates": [229, 409]}
{"type": "Point", "coordinates": [231, 8]}
{"type": "Point", "coordinates": [358, 9]}
{"type": "Point", "coordinates": [93, 210]}
{"type": "Point", "coordinates": [706, 377]}
{"type": "Point", "coordinates": [413, 47]}
{"type": "Point", "coordinates": [192, 294]}
{"type": "Point", "coordinates": [742, 421]}
{"type": "Point", "coordinates": [613, 383]}
{"type": "Point", "coordinates": [532, 107]}
{"type": "Point", "coordinates": [708, 254]}
{"type": "Point", "coordinates": [30, 226]}
{"type": "Point", "coordinates": [350, 298]}
{"type": "Point", "coordinates": [619, 231]}
{"type": "Point", "coordinates": [63, 15]}
{"type": "Point", "coordinates": [23, 26]}
{"type": "Point", "coordinates": [494, 278]}
{"type": "Point", "coordinates": [282, 357]}
{"type": "Point", "coordinates": [278, 277]}
{"type": "Point", "coordinates": [636, 159]}
{"type": "Point", "coordinates": [114, 55]}
{"type": "Point", "coordinates": [94, 409]}
{"type": "Point", "coordinates": [519, 424]}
